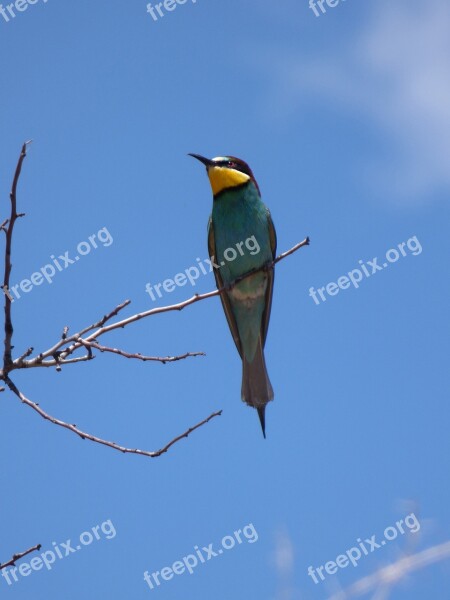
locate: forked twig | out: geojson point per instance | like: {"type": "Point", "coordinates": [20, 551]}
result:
{"type": "Point", "coordinates": [93, 438]}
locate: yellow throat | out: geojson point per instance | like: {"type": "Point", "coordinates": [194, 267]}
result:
{"type": "Point", "coordinates": [222, 178]}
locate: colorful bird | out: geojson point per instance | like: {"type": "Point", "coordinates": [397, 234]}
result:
{"type": "Point", "coordinates": [242, 238]}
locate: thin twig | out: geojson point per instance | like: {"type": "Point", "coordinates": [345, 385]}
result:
{"type": "Point", "coordinates": [7, 360]}
{"type": "Point", "coordinates": [55, 362]}
{"type": "Point", "coordinates": [138, 356]}
{"type": "Point", "coordinates": [26, 354]}
{"type": "Point", "coordinates": [67, 340]}
{"type": "Point", "coordinates": [20, 555]}
{"type": "Point", "coordinates": [305, 242]}
{"type": "Point", "coordinates": [87, 436]}
{"type": "Point", "coordinates": [188, 432]}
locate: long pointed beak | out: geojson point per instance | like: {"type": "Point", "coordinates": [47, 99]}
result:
{"type": "Point", "coordinates": [206, 161]}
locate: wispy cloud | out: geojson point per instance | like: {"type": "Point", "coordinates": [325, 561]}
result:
{"type": "Point", "coordinates": [394, 72]}
{"type": "Point", "coordinates": [283, 562]}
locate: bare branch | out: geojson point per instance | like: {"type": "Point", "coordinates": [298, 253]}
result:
{"type": "Point", "coordinates": [188, 432]}
{"type": "Point", "coordinates": [7, 360]}
{"type": "Point", "coordinates": [87, 436]}
{"type": "Point", "coordinates": [305, 242]}
{"type": "Point", "coordinates": [138, 356]}
{"type": "Point", "coordinates": [16, 557]}
{"type": "Point", "coordinates": [66, 347]}
{"type": "Point", "coordinates": [26, 354]}
{"type": "Point", "coordinates": [67, 340]}
{"type": "Point", "coordinates": [193, 299]}
{"type": "Point", "coordinates": [55, 362]}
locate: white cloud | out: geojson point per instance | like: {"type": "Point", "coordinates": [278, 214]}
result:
{"type": "Point", "coordinates": [395, 73]}
{"type": "Point", "coordinates": [283, 561]}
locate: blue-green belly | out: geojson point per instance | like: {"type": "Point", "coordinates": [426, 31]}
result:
{"type": "Point", "coordinates": [242, 239]}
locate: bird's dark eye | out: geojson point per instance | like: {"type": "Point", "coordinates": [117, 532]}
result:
{"type": "Point", "coordinates": [232, 164]}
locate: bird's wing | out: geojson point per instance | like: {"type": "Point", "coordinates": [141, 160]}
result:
{"type": "Point", "coordinates": [270, 280]}
{"type": "Point", "coordinates": [219, 282]}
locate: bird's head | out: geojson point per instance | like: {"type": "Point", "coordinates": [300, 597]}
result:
{"type": "Point", "coordinates": [226, 172]}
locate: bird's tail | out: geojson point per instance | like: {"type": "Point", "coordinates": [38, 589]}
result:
{"type": "Point", "coordinates": [256, 387]}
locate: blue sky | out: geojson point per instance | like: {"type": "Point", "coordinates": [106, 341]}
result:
{"type": "Point", "coordinates": [344, 119]}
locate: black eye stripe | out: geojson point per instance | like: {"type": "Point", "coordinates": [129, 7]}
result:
{"type": "Point", "coordinates": [234, 165]}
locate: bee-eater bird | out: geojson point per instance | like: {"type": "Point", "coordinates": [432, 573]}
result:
{"type": "Point", "coordinates": [239, 215]}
